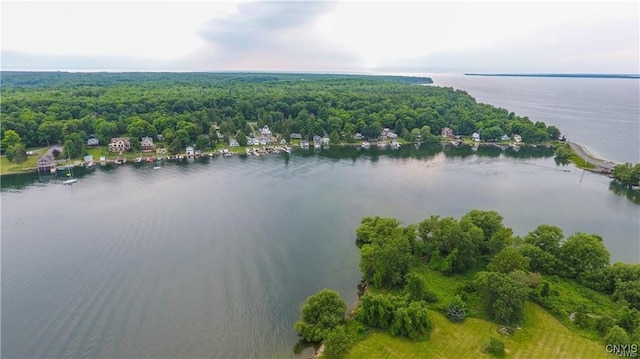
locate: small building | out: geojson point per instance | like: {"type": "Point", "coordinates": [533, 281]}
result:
{"type": "Point", "coordinates": [388, 134]}
{"type": "Point", "coordinates": [475, 137]}
{"type": "Point", "coordinates": [235, 143]}
{"type": "Point", "coordinates": [283, 141]}
{"type": "Point", "coordinates": [147, 144]}
{"type": "Point", "coordinates": [190, 150]}
{"type": "Point", "coordinates": [325, 141]}
{"type": "Point", "coordinates": [296, 136]}
{"type": "Point", "coordinates": [93, 142]}
{"type": "Point", "coordinates": [161, 151]}
{"type": "Point", "coordinates": [265, 131]}
{"type": "Point", "coordinates": [447, 132]}
{"type": "Point", "coordinates": [505, 138]}
{"type": "Point", "coordinates": [160, 137]}
{"type": "Point", "coordinates": [317, 139]}
{"type": "Point", "coordinates": [358, 136]}
{"type": "Point", "coordinates": [46, 164]}
{"type": "Point", "coordinates": [120, 144]}
{"type": "Point", "coordinates": [517, 138]}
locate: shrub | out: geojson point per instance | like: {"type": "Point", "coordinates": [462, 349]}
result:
{"type": "Point", "coordinates": [495, 347]}
{"type": "Point", "coordinates": [456, 311]}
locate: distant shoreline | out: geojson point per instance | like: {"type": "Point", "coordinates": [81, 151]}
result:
{"type": "Point", "coordinates": [588, 76]}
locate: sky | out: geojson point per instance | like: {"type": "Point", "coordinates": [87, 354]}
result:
{"type": "Point", "coordinates": [322, 36]}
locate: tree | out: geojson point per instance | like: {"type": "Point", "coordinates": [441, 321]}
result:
{"type": "Point", "coordinates": [546, 237]}
{"type": "Point", "coordinates": [10, 138]}
{"type": "Point", "coordinates": [203, 142]}
{"type": "Point", "coordinates": [616, 336]}
{"type": "Point", "coordinates": [457, 310]}
{"type": "Point", "coordinates": [372, 228]}
{"type": "Point", "coordinates": [629, 319]}
{"type": "Point", "coordinates": [582, 253]}
{"type": "Point", "coordinates": [242, 139]}
{"type": "Point", "coordinates": [495, 347]}
{"type": "Point", "coordinates": [20, 153]}
{"type": "Point", "coordinates": [508, 260]}
{"type": "Point", "coordinates": [505, 296]}
{"type": "Point", "coordinates": [321, 313]}
{"type": "Point", "coordinates": [385, 262]}
{"type": "Point", "coordinates": [10, 153]}
{"type": "Point", "coordinates": [539, 260]}
{"type": "Point", "coordinates": [492, 133]}
{"type": "Point", "coordinates": [139, 128]}
{"type": "Point", "coordinates": [412, 321]}
{"type": "Point", "coordinates": [337, 343]}
{"type": "Point", "coordinates": [416, 286]}
{"type": "Point", "coordinates": [74, 145]}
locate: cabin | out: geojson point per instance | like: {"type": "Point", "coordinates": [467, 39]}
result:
{"type": "Point", "coordinates": [475, 137]}
{"type": "Point", "coordinates": [120, 144]}
{"type": "Point", "coordinates": [447, 132]}
{"type": "Point", "coordinates": [505, 138]}
{"type": "Point", "coordinates": [93, 142]}
{"type": "Point", "coordinates": [190, 150]}
{"type": "Point", "coordinates": [235, 143]}
{"type": "Point", "coordinates": [146, 145]}
{"type": "Point", "coordinates": [46, 164]}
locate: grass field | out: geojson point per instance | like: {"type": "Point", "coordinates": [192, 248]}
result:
{"type": "Point", "coordinates": [542, 336]}
{"type": "Point", "coordinates": [30, 164]}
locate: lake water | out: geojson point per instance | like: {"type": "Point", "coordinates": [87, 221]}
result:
{"type": "Point", "coordinates": [601, 114]}
{"type": "Point", "coordinates": [215, 258]}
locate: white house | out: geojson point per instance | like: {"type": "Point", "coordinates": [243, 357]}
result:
{"type": "Point", "coordinates": [190, 150]}
{"type": "Point", "coordinates": [234, 143]}
{"type": "Point", "coordinates": [505, 138]}
{"type": "Point", "coordinates": [475, 137]}
{"type": "Point", "coordinates": [517, 138]}
{"type": "Point", "coordinates": [93, 142]}
{"type": "Point", "coordinates": [147, 144]}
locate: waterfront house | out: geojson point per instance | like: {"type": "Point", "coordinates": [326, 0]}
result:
{"type": "Point", "coordinates": [265, 131]}
{"type": "Point", "coordinates": [316, 140]}
{"type": "Point", "coordinates": [190, 151]}
{"type": "Point", "coordinates": [235, 143]}
{"type": "Point", "coordinates": [447, 132]}
{"type": "Point", "coordinates": [387, 134]}
{"type": "Point", "coordinates": [358, 136]}
{"type": "Point", "coordinates": [475, 137]}
{"type": "Point", "coordinates": [517, 138]}
{"type": "Point", "coordinates": [296, 136]}
{"type": "Point", "coordinates": [120, 144]}
{"type": "Point", "coordinates": [93, 142]}
{"type": "Point", "coordinates": [325, 141]}
{"type": "Point", "coordinates": [46, 164]}
{"type": "Point", "coordinates": [147, 144]}
{"type": "Point", "coordinates": [505, 138]}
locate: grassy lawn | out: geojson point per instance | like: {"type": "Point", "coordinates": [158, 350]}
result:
{"type": "Point", "coordinates": [542, 336]}
{"type": "Point", "coordinates": [30, 164]}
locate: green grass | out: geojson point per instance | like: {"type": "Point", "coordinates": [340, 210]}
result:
{"type": "Point", "coordinates": [7, 167]}
{"type": "Point", "coordinates": [541, 336]}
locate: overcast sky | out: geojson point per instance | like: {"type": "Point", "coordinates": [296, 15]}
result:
{"type": "Point", "coordinates": [336, 36]}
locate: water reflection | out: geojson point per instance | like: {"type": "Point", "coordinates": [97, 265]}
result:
{"type": "Point", "coordinates": [632, 194]}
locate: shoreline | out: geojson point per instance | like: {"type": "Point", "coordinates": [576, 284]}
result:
{"type": "Point", "coordinates": [600, 166]}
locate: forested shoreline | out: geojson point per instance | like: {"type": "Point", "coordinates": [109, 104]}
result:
{"type": "Point", "coordinates": [203, 109]}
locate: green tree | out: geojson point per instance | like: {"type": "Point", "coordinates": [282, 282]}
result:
{"type": "Point", "coordinates": [372, 228]}
{"type": "Point", "coordinates": [546, 237]}
{"type": "Point", "coordinates": [203, 142]}
{"type": "Point", "coordinates": [508, 260]}
{"type": "Point", "coordinates": [337, 343]}
{"type": "Point", "coordinates": [139, 128]}
{"type": "Point", "coordinates": [616, 336]}
{"type": "Point", "coordinates": [10, 138]}
{"type": "Point", "coordinates": [416, 286]}
{"type": "Point", "coordinates": [321, 313]}
{"type": "Point", "coordinates": [493, 133]}
{"type": "Point", "coordinates": [495, 347]}
{"type": "Point", "coordinates": [20, 153]}
{"type": "Point", "coordinates": [10, 153]}
{"type": "Point", "coordinates": [242, 139]}
{"type": "Point", "coordinates": [412, 321]}
{"type": "Point", "coordinates": [385, 263]}
{"type": "Point", "coordinates": [74, 145]}
{"type": "Point", "coordinates": [583, 253]}
{"type": "Point", "coordinates": [629, 319]}
{"type": "Point", "coordinates": [505, 297]}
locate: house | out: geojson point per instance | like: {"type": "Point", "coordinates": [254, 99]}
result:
{"type": "Point", "coordinates": [317, 139]}
{"type": "Point", "coordinates": [358, 136]}
{"type": "Point", "coordinates": [265, 131]}
{"type": "Point", "coordinates": [325, 141]}
{"type": "Point", "coordinates": [505, 138]}
{"type": "Point", "coordinates": [283, 141]}
{"type": "Point", "coordinates": [447, 132]}
{"type": "Point", "coordinates": [46, 164]}
{"type": "Point", "coordinates": [249, 142]}
{"type": "Point", "coordinates": [517, 138]}
{"type": "Point", "coordinates": [93, 142]}
{"type": "Point", "coordinates": [295, 136]}
{"type": "Point", "coordinates": [190, 151]}
{"type": "Point", "coordinates": [475, 137]}
{"type": "Point", "coordinates": [160, 137]}
{"type": "Point", "coordinates": [234, 143]}
{"type": "Point", "coordinates": [161, 151]}
{"type": "Point", "coordinates": [120, 144]}
{"type": "Point", "coordinates": [388, 134]}
{"type": "Point", "coordinates": [147, 144]}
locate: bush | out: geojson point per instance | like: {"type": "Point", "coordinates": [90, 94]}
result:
{"type": "Point", "coordinates": [337, 344]}
{"type": "Point", "coordinates": [603, 324]}
{"type": "Point", "coordinates": [457, 311]}
{"type": "Point", "coordinates": [321, 313]}
{"type": "Point", "coordinates": [495, 347]}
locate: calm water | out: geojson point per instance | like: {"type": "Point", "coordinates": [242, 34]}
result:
{"type": "Point", "coordinates": [215, 258]}
{"type": "Point", "coordinates": [601, 114]}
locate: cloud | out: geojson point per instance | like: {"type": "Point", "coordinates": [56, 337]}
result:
{"type": "Point", "coordinates": [271, 36]}
{"type": "Point", "coordinates": [593, 48]}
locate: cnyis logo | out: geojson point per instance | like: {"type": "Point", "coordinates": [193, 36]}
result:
{"type": "Point", "coordinates": [623, 350]}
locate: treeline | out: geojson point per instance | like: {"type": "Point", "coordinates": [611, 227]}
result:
{"type": "Point", "coordinates": [47, 108]}
{"type": "Point", "coordinates": [627, 174]}
{"type": "Point", "coordinates": [490, 274]}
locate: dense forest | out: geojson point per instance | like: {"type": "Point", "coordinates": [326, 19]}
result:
{"type": "Point", "coordinates": [40, 109]}
{"type": "Point", "coordinates": [476, 267]}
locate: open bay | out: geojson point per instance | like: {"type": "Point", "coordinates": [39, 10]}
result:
{"type": "Point", "coordinates": [214, 258]}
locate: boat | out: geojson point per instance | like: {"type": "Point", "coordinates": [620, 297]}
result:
{"type": "Point", "coordinates": [365, 144]}
{"type": "Point", "coordinates": [137, 160]}
{"type": "Point", "coordinates": [287, 149]}
{"type": "Point", "coordinates": [71, 179]}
